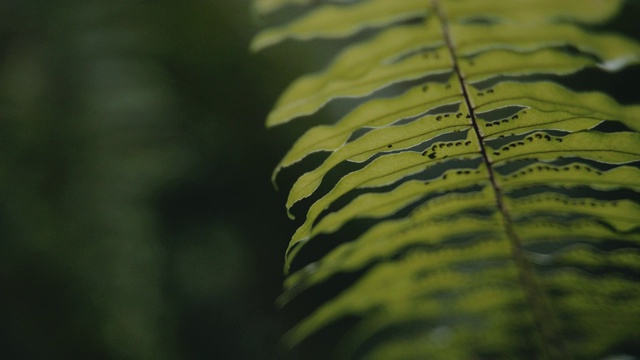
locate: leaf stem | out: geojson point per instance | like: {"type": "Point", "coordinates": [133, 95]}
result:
{"type": "Point", "coordinates": [553, 343]}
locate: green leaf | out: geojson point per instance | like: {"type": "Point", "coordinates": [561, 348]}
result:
{"type": "Point", "coordinates": [608, 48]}
{"type": "Point", "coordinates": [488, 210]}
{"type": "Point", "coordinates": [533, 11]}
{"type": "Point", "coordinates": [373, 114]}
{"type": "Point", "coordinates": [547, 97]}
{"type": "Point", "coordinates": [334, 21]}
{"type": "Point", "coordinates": [264, 7]}
{"type": "Point", "coordinates": [354, 67]}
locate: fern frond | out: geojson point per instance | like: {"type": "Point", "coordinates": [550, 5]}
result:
{"type": "Point", "coordinates": [483, 211]}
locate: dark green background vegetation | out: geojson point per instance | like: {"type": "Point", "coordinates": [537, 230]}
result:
{"type": "Point", "coordinates": [137, 220]}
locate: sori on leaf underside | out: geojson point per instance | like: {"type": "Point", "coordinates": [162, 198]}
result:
{"type": "Point", "coordinates": [471, 204]}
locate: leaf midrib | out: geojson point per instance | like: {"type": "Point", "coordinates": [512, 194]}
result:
{"type": "Point", "coordinates": [553, 343]}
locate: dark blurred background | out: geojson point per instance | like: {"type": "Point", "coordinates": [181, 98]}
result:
{"type": "Point", "coordinates": [137, 219]}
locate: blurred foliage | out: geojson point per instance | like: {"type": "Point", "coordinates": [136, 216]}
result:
{"type": "Point", "coordinates": [136, 215]}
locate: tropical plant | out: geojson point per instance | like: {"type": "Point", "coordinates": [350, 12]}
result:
{"type": "Point", "coordinates": [472, 204]}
